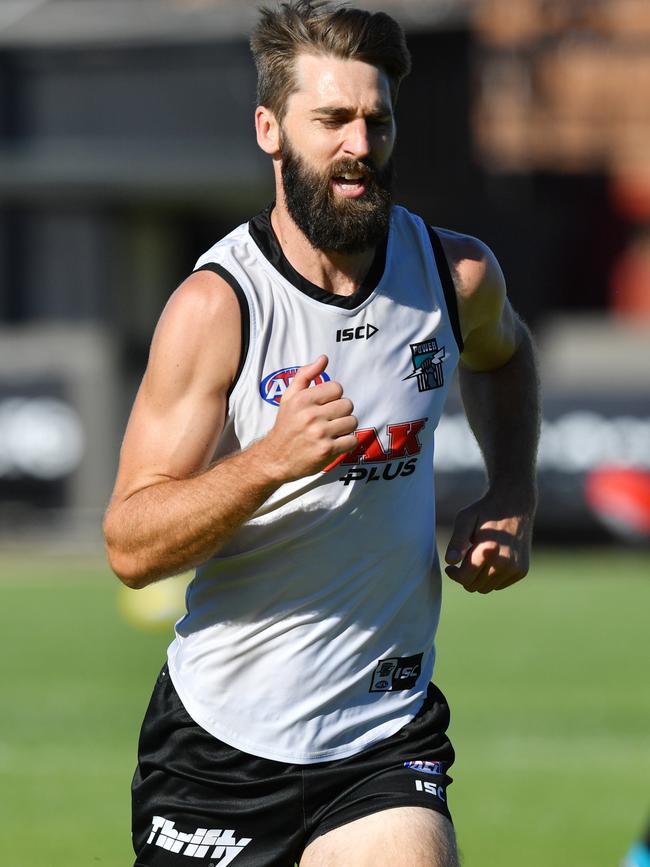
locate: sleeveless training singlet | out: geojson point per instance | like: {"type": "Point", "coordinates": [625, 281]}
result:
{"type": "Point", "coordinates": [310, 635]}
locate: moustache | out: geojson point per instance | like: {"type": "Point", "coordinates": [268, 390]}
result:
{"type": "Point", "coordinates": [367, 169]}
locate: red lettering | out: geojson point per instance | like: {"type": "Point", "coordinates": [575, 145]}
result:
{"type": "Point", "coordinates": [404, 440]}
{"type": "Point", "coordinates": [369, 449]}
{"type": "Point", "coordinates": [287, 375]}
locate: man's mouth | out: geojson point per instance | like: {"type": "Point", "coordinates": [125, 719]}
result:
{"type": "Point", "coordinates": [350, 184]}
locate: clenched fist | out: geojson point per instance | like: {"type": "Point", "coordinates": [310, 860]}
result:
{"type": "Point", "coordinates": [314, 426]}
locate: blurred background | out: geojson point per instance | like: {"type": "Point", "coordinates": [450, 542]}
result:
{"type": "Point", "coordinates": [126, 150]}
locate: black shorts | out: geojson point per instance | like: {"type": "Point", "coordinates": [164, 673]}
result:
{"type": "Point", "coordinates": [197, 800]}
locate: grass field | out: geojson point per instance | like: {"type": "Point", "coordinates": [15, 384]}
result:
{"type": "Point", "coordinates": [548, 683]}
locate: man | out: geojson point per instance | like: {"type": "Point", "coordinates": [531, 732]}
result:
{"type": "Point", "coordinates": [282, 442]}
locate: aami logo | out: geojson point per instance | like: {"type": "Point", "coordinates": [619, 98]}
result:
{"type": "Point", "coordinates": [397, 458]}
{"type": "Point", "coordinates": [273, 386]}
{"type": "Point", "coordinates": [425, 767]}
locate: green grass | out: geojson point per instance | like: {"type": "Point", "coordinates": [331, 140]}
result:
{"type": "Point", "coordinates": [76, 680]}
{"type": "Point", "coordinates": [548, 684]}
{"type": "Point", "coordinates": [549, 688]}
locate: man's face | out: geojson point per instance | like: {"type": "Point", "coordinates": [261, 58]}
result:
{"type": "Point", "coordinates": [337, 138]}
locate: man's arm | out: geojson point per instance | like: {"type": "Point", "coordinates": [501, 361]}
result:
{"type": "Point", "coordinates": [171, 510]}
{"type": "Point", "coordinates": [490, 544]}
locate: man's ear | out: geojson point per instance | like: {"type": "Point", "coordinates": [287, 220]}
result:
{"type": "Point", "coordinates": [268, 130]}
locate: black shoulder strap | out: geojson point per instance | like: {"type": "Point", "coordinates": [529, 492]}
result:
{"type": "Point", "coordinates": [243, 307]}
{"type": "Point", "coordinates": [448, 286]}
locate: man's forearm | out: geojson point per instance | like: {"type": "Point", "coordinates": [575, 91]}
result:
{"type": "Point", "coordinates": [503, 410]}
{"type": "Point", "coordinates": [176, 525]}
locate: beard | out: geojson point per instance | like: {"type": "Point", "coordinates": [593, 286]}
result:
{"type": "Point", "coordinates": [332, 223]}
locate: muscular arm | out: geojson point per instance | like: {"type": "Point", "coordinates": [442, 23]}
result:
{"type": "Point", "coordinates": [502, 407]}
{"type": "Point", "coordinates": [171, 510]}
{"type": "Point", "coordinates": [490, 544]}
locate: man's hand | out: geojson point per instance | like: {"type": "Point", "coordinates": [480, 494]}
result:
{"type": "Point", "coordinates": [490, 546]}
{"type": "Point", "coordinates": [314, 426]}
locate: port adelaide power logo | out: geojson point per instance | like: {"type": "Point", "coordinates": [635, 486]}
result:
{"type": "Point", "coordinates": [427, 364]}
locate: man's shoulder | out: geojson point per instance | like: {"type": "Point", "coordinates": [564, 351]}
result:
{"type": "Point", "coordinates": [473, 264]}
{"type": "Point", "coordinates": [470, 260]}
{"type": "Point", "coordinates": [459, 245]}
{"type": "Point", "coordinates": [202, 302]}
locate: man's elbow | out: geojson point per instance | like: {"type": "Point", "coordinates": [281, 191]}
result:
{"type": "Point", "coordinates": [127, 565]}
{"type": "Point", "coordinates": [128, 570]}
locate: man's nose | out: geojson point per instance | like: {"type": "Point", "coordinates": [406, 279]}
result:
{"type": "Point", "coordinates": [356, 143]}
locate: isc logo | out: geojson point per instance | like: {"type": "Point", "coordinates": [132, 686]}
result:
{"type": "Point", "coordinates": [430, 789]}
{"type": "Point", "coordinates": [358, 333]}
{"type": "Point", "coordinates": [395, 673]}
{"type": "Point", "coordinates": [273, 386]}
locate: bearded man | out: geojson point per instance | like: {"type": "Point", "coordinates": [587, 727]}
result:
{"type": "Point", "coordinates": [281, 443]}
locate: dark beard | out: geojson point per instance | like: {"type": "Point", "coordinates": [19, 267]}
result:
{"type": "Point", "coordinates": [341, 226]}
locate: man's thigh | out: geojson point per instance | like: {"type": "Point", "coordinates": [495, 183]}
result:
{"type": "Point", "coordinates": [401, 837]}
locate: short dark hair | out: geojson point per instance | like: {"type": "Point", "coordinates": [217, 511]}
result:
{"type": "Point", "coordinates": [321, 27]}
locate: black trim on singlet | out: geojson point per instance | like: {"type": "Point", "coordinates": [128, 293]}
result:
{"type": "Point", "coordinates": [243, 308]}
{"type": "Point", "coordinates": [448, 286]}
{"type": "Point", "coordinates": [264, 236]}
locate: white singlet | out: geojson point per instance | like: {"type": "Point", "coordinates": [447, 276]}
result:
{"type": "Point", "coordinates": [310, 635]}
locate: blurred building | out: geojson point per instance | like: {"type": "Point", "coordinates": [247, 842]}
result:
{"type": "Point", "coordinates": [127, 148]}
{"type": "Point", "coordinates": [563, 94]}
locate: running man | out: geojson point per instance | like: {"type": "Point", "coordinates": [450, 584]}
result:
{"type": "Point", "coordinates": [281, 443]}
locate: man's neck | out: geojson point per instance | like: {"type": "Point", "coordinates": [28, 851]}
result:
{"type": "Point", "coordinates": [338, 273]}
